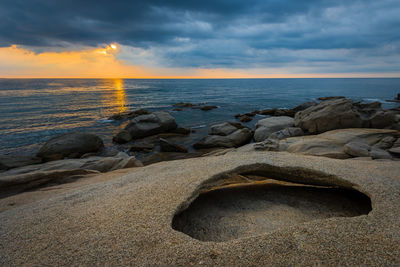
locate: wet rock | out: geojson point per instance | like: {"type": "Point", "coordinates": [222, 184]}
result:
{"type": "Point", "coordinates": [206, 108]}
{"type": "Point", "coordinates": [181, 130]}
{"type": "Point", "coordinates": [287, 132]}
{"type": "Point", "coordinates": [71, 145]}
{"type": "Point", "coordinates": [129, 114]}
{"type": "Point", "coordinates": [146, 147]}
{"type": "Point", "coordinates": [325, 98]}
{"type": "Point", "coordinates": [166, 146]}
{"type": "Point", "coordinates": [177, 109]}
{"type": "Point", "coordinates": [122, 137]}
{"type": "Point", "coordinates": [267, 126]}
{"type": "Point", "coordinates": [184, 105]}
{"type": "Point", "coordinates": [238, 138]}
{"type": "Point", "coordinates": [245, 118]}
{"type": "Point", "coordinates": [147, 125]}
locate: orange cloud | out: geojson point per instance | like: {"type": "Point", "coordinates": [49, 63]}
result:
{"type": "Point", "coordinates": [18, 62]}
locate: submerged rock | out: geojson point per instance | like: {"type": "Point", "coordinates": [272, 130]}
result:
{"type": "Point", "coordinates": [206, 108]}
{"type": "Point", "coordinates": [72, 145]}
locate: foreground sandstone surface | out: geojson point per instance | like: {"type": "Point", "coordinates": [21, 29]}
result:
{"type": "Point", "coordinates": [128, 220]}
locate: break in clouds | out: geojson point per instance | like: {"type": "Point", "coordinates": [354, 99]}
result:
{"type": "Point", "coordinates": [315, 36]}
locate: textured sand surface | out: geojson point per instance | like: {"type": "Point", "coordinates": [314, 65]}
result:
{"type": "Point", "coordinates": [127, 221]}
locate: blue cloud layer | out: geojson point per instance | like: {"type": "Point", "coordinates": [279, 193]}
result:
{"type": "Point", "coordinates": [356, 35]}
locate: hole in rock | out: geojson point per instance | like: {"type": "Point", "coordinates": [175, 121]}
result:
{"type": "Point", "coordinates": [238, 210]}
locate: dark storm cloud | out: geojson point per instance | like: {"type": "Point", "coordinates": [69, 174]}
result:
{"type": "Point", "coordinates": [208, 33]}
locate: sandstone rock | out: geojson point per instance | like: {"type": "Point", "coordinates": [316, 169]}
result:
{"type": "Point", "coordinates": [238, 138]}
{"type": "Point", "coordinates": [167, 146]}
{"type": "Point", "coordinates": [130, 219]}
{"type": "Point", "coordinates": [267, 126]}
{"type": "Point", "coordinates": [287, 132]}
{"type": "Point", "coordinates": [71, 145]}
{"type": "Point", "coordinates": [357, 149]}
{"type": "Point", "coordinates": [151, 124]}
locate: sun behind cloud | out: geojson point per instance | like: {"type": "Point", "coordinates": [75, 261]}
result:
{"type": "Point", "coordinates": [88, 63]}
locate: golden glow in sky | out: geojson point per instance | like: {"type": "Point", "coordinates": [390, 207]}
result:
{"type": "Point", "coordinates": [18, 62]}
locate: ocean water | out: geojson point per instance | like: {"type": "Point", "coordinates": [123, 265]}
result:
{"type": "Point", "coordinates": [34, 110]}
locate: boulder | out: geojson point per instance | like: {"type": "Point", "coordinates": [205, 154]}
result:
{"type": "Point", "coordinates": [15, 161]}
{"type": "Point", "coordinates": [141, 147]}
{"type": "Point", "coordinates": [267, 126]}
{"type": "Point", "coordinates": [328, 115]}
{"type": "Point", "coordinates": [122, 137]}
{"type": "Point", "coordinates": [287, 132]}
{"type": "Point", "coordinates": [238, 138]}
{"type": "Point", "coordinates": [381, 119]}
{"type": "Point", "coordinates": [223, 129]}
{"type": "Point", "coordinates": [128, 114]}
{"type": "Point", "coordinates": [151, 124]}
{"type": "Point", "coordinates": [386, 142]}
{"type": "Point", "coordinates": [166, 146]}
{"type": "Point", "coordinates": [395, 150]}
{"type": "Point", "coordinates": [245, 118]}
{"type": "Point", "coordinates": [72, 145]}
{"type": "Point", "coordinates": [357, 149]}
{"type": "Point", "coordinates": [377, 153]}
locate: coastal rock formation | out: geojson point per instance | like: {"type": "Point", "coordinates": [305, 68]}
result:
{"type": "Point", "coordinates": [225, 128]}
{"type": "Point", "coordinates": [340, 113]}
{"type": "Point", "coordinates": [239, 137]}
{"type": "Point", "coordinates": [147, 125]}
{"type": "Point", "coordinates": [340, 144]}
{"type": "Point", "coordinates": [267, 126]}
{"type": "Point", "coordinates": [23, 178]}
{"type": "Point", "coordinates": [72, 145]}
{"type": "Point", "coordinates": [286, 112]}
{"type": "Point", "coordinates": [135, 218]}
{"type": "Point", "coordinates": [129, 114]}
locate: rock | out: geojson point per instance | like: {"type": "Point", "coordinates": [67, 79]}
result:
{"type": "Point", "coordinates": [23, 178]}
{"type": "Point", "coordinates": [238, 138]}
{"type": "Point", "coordinates": [377, 153]}
{"type": "Point", "coordinates": [287, 132]}
{"type": "Point", "coordinates": [177, 109]}
{"type": "Point", "coordinates": [245, 118]}
{"type": "Point", "coordinates": [267, 126]}
{"type": "Point", "coordinates": [125, 220]}
{"type": "Point", "coordinates": [343, 113]}
{"type": "Point", "coordinates": [129, 114]}
{"type": "Point", "coordinates": [184, 105]}
{"type": "Point", "coordinates": [137, 147]}
{"type": "Point", "coordinates": [325, 98]}
{"type": "Point", "coordinates": [71, 145]}
{"type": "Point", "coordinates": [122, 137]}
{"type": "Point", "coordinates": [303, 106]}
{"type": "Point", "coordinates": [395, 150]}
{"type": "Point", "coordinates": [386, 142]}
{"type": "Point", "coordinates": [357, 149]}
{"type": "Point", "coordinates": [206, 108]}
{"type": "Point", "coordinates": [15, 161]}
{"type": "Point", "coordinates": [267, 145]}
{"type": "Point", "coordinates": [151, 124]}
{"type": "Point", "coordinates": [167, 146]}
{"type": "Point", "coordinates": [328, 115]}
{"type": "Point", "coordinates": [331, 144]}
{"type": "Point", "coordinates": [381, 119]}
{"type": "Point", "coordinates": [223, 129]}
{"type": "Point", "coordinates": [181, 130]}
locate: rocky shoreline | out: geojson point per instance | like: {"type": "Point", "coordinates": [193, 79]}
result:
{"type": "Point", "coordinates": [333, 127]}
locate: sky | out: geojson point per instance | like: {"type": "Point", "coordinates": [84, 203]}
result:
{"type": "Point", "coordinates": [199, 39]}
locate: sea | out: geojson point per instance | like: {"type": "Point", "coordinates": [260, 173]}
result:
{"type": "Point", "coordinates": [34, 110]}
